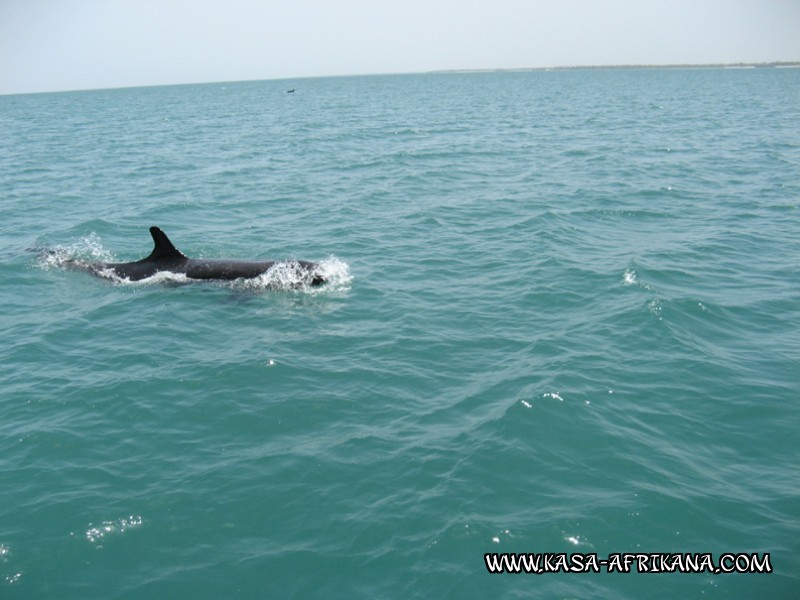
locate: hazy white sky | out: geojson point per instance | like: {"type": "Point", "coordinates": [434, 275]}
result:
{"type": "Point", "coordinates": [48, 45]}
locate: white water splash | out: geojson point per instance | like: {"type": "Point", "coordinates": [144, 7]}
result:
{"type": "Point", "coordinates": [654, 306]}
{"type": "Point", "coordinates": [86, 250]}
{"type": "Point", "coordinates": [160, 278]}
{"type": "Point", "coordinates": [289, 276]}
{"type": "Point", "coordinates": [96, 534]}
{"type": "Point", "coordinates": [629, 278]}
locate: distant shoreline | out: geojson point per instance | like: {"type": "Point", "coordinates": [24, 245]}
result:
{"type": "Point", "coordinates": [770, 65]}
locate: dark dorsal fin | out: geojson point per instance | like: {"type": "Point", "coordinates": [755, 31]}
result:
{"type": "Point", "coordinates": [163, 247]}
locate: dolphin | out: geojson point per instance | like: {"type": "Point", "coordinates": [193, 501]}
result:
{"type": "Point", "coordinates": [165, 257]}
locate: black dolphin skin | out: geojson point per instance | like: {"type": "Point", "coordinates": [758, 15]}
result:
{"type": "Point", "coordinates": [165, 257]}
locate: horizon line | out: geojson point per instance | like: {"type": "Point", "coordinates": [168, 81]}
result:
{"type": "Point", "coordinates": [736, 65]}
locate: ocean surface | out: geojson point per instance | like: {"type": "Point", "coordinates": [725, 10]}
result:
{"type": "Point", "coordinates": [561, 317]}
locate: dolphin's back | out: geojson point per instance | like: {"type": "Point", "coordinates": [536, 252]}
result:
{"type": "Point", "coordinates": [165, 257]}
{"type": "Point", "coordinates": [225, 269]}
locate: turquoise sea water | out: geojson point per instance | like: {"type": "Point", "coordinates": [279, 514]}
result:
{"type": "Point", "coordinates": [562, 318]}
